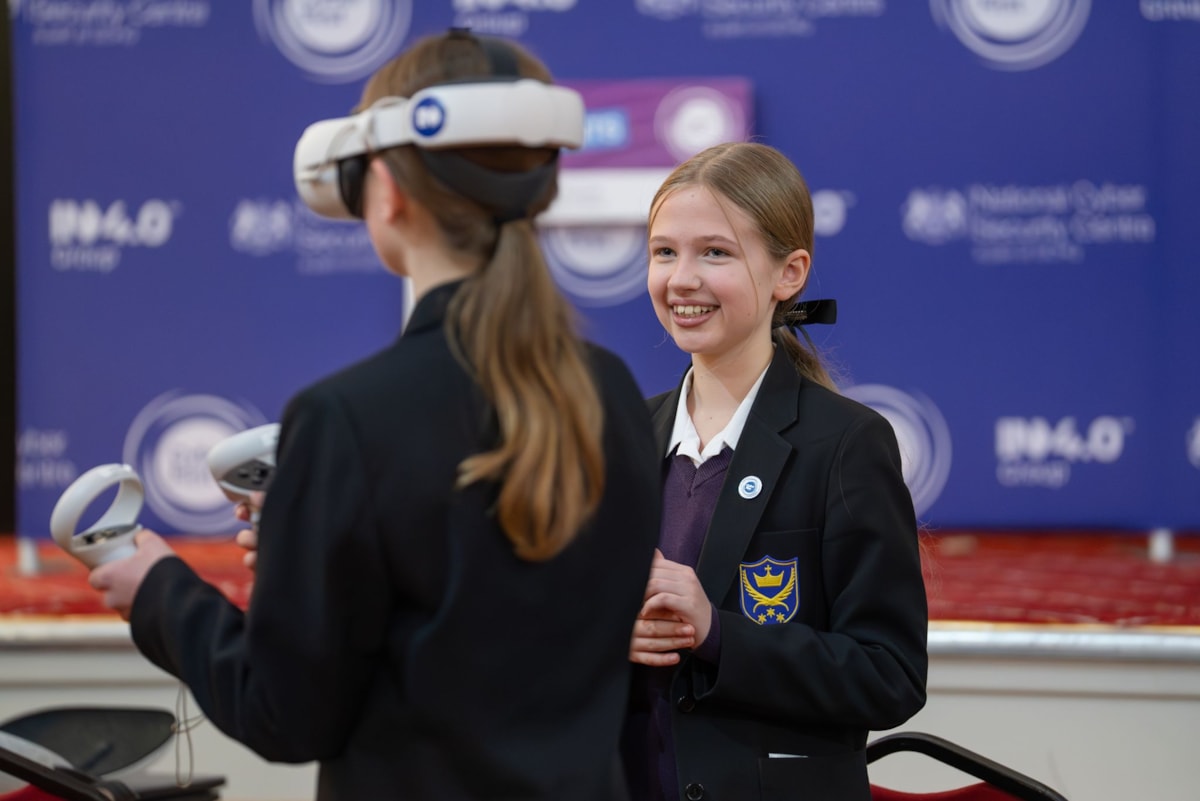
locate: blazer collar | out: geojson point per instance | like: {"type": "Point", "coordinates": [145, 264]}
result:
{"type": "Point", "coordinates": [664, 416]}
{"type": "Point", "coordinates": [430, 310]}
{"type": "Point", "coordinates": [775, 405]}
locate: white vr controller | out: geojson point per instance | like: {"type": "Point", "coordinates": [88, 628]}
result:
{"type": "Point", "coordinates": [110, 537]}
{"type": "Point", "coordinates": [241, 464]}
{"type": "Point", "coordinates": [245, 463]}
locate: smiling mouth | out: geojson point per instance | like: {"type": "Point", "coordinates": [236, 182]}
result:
{"type": "Point", "coordinates": [692, 311]}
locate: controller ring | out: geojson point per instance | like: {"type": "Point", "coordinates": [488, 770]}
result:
{"type": "Point", "coordinates": [94, 545]}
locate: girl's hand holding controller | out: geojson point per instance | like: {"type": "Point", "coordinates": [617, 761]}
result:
{"type": "Point", "coordinates": [120, 579]}
{"type": "Point", "coordinates": [248, 537]}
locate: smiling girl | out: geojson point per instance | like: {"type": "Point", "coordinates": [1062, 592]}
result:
{"type": "Point", "coordinates": [785, 615]}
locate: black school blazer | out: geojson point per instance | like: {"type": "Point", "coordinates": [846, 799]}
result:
{"type": "Point", "coordinates": [392, 634]}
{"type": "Point", "coordinates": [832, 511]}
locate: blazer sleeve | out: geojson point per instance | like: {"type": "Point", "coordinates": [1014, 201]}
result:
{"type": "Point", "coordinates": [868, 670]}
{"type": "Point", "coordinates": [288, 677]}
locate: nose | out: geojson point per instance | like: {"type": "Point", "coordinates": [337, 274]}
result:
{"type": "Point", "coordinates": [684, 275]}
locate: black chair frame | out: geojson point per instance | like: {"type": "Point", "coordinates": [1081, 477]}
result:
{"type": "Point", "coordinates": [1001, 777]}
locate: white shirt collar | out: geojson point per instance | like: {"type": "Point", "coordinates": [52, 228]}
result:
{"type": "Point", "coordinates": [685, 437]}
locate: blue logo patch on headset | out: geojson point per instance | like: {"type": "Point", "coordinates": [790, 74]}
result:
{"type": "Point", "coordinates": [428, 117]}
{"type": "Point", "coordinates": [770, 590]}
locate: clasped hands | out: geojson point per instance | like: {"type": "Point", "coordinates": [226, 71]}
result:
{"type": "Point", "coordinates": [675, 614]}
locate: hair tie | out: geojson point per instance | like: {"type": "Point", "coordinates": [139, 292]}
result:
{"type": "Point", "coordinates": [811, 312]}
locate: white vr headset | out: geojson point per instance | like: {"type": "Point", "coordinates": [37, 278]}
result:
{"type": "Point", "coordinates": [331, 156]}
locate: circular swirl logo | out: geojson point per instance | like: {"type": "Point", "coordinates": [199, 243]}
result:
{"type": "Point", "coordinates": [692, 118]}
{"type": "Point", "coordinates": [335, 41]}
{"type": "Point", "coordinates": [923, 437]}
{"type": "Point", "coordinates": [597, 266]}
{"type": "Point", "coordinates": [168, 444]}
{"type": "Point", "coordinates": [830, 208]}
{"type": "Point", "coordinates": [1017, 34]}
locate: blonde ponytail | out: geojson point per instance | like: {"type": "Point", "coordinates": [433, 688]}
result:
{"type": "Point", "coordinates": [517, 334]}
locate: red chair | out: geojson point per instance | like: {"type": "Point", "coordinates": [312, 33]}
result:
{"type": "Point", "coordinates": [996, 782]}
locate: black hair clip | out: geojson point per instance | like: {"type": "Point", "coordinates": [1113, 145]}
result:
{"type": "Point", "coordinates": [811, 312]}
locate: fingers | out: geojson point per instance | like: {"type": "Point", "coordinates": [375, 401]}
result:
{"type": "Point", "coordinates": [655, 642]}
{"type": "Point", "coordinates": [674, 578]}
{"type": "Point", "coordinates": [98, 578]}
{"type": "Point", "coordinates": [651, 659]}
{"type": "Point", "coordinates": [676, 612]}
{"type": "Point", "coordinates": [662, 644]}
{"type": "Point", "coordinates": [245, 509]}
{"type": "Point", "coordinates": [247, 538]}
{"type": "Point", "coordinates": [120, 579]}
{"type": "Point", "coordinates": [666, 605]}
{"type": "Point", "coordinates": [101, 577]}
{"type": "Point", "coordinates": [114, 602]}
{"type": "Point", "coordinates": [662, 628]}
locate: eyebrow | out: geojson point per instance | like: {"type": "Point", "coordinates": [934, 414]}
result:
{"type": "Point", "coordinates": [708, 240]}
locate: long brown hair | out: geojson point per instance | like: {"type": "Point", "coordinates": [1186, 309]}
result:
{"type": "Point", "coordinates": [768, 187]}
{"type": "Point", "coordinates": [508, 323]}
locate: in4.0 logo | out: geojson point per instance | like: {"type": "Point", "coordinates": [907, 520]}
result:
{"type": "Point", "coordinates": [88, 235]}
{"type": "Point", "coordinates": [86, 222]}
{"type": "Point", "coordinates": [1032, 451]}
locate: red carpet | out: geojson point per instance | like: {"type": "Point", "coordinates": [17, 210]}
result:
{"type": "Point", "coordinates": [1059, 577]}
{"type": "Point", "coordinates": [1083, 578]}
{"type": "Point", "coordinates": [61, 588]}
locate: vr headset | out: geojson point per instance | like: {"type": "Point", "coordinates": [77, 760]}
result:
{"type": "Point", "coordinates": [331, 157]}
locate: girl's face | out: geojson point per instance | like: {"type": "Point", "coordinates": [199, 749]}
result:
{"type": "Point", "coordinates": [713, 284]}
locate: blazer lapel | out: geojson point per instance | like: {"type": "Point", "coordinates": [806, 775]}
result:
{"type": "Point", "coordinates": [664, 417]}
{"type": "Point", "coordinates": [761, 454]}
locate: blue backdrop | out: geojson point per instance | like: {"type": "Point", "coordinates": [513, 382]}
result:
{"type": "Point", "coordinates": [1006, 202]}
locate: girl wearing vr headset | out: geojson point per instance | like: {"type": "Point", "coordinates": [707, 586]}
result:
{"type": "Point", "coordinates": [460, 527]}
{"type": "Point", "coordinates": [786, 613]}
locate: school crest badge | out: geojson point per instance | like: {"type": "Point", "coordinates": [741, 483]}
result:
{"type": "Point", "coordinates": [770, 590]}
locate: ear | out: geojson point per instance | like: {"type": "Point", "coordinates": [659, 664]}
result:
{"type": "Point", "coordinates": [384, 197]}
{"type": "Point", "coordinates": [794, 275]}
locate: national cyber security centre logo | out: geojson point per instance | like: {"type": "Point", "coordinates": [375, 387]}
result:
{"type": "Point", "coordinates": [265, 226]}
{"type": "Point", "coordinates": [335, 41]}
{"type": "Point", "coordinates": [922, 434]}
{"type": "Point", "coordinates": [168, 443]}
{"type": "Point", "coordinates": [508, 18]}
{"type": "Point", "coordinates": [1014, 34]}
{"type": "Point", "coordinates": [104, 23]}
{"type": "Point", "coordinates": [1022, 223]}
{"type": "Point", "coordinates": [742, 19]}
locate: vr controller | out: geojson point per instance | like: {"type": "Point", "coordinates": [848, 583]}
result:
{"type": "Point", "coordinates": [245, 463]}
{"type": "Point", "coordinates": [241, 464]}
{"type": "Point", "coordinates": [110, 537]}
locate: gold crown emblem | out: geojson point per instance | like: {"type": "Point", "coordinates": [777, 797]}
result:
{"type": "Point", "coordinates": [769, 579]}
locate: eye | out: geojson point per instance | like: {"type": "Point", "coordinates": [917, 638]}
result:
{"type": "Point", "coordinates": [716, 253]}
{"type": "Point", "coordinates": [662, 253]}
